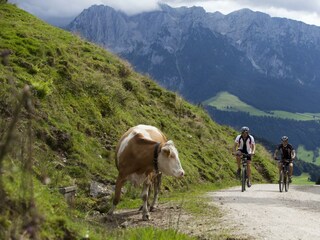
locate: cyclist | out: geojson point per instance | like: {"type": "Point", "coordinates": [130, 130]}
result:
{"type": "Point", "coordinates": [244, 143]}
{"type": "Point", "coordinates": [287, 152]}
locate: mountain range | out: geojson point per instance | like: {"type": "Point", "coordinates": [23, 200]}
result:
{"type": "Point", "coordinates": [263, 60]}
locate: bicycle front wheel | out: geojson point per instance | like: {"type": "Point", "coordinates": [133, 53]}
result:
{"type": "Point", "coordinates": [281, 182]}
{"type": "Point", "coordinates": [243, 179]}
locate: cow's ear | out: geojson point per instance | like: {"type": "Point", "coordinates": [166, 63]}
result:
{"type": "Point", "coordinates": [166, 151]}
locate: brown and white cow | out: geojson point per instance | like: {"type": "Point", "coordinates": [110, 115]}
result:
{"type": "Point", "coordinates": [142, 154]}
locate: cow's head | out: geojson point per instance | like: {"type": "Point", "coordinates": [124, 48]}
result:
{"type": "Point", "coordinates": [168, 160]}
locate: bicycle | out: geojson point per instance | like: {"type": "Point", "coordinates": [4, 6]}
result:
{"type": "Point", "coordinates": [284, 175]}
{"type": "Point", "coordinates": [244, 175]}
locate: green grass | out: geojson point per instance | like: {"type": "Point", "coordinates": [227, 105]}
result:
{"type": "Point", "coordinates": [305, 155]}
{"type": "Point", "coordinates": [303, 179]}
{"type": "Point", "coordinates": [225, 101]}
{"type": "Point", "coordinates": [149, 233]}
{"type": "Point", "coordinates": [309, 155]}
{"type": "Point", "coordinates": [317, 159]}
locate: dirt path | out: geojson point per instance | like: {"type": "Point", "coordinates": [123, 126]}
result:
{"type": "Point", "coordinates": [263, 212]}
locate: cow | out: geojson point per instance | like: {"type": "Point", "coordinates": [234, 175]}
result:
{"type": "Point", "coordinates": [142, 155]}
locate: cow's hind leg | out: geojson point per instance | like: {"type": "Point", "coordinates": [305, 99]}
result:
{"type": "Point", "coordinates": [149, 194]}
{"type": "Point", "coordinates": [119, 183]}
{"type": "Point", "coordinates": [145, 196]}
{"type": "Point", "coordinates": [157, 184]}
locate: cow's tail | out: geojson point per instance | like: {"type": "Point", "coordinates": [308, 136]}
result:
{"type": "Point", "coordinates": [116, 161]}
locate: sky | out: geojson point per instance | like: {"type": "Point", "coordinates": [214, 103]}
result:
{"type": "Point", "coordinates": [307, 11]}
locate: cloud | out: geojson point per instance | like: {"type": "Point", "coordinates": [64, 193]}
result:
{"type": "Point", "coordinates": [133, 6]}
{"type": "Point", "coordinates": [303, 10]}
{"type": "Point", "coordinates": [288, 5]}
{"type": "Point", "coordinates": [307, 11]}
{"type": "Point", "coordinates": [56, 8]}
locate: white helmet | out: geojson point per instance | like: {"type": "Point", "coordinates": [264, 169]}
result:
{"type": "Point", "coordinates": [245, 129]}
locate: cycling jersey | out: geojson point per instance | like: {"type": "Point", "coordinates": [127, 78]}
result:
{"type": "Point", "coordinates": [245, 145]}
{"type": "Point", "coordinates": [285, 151]}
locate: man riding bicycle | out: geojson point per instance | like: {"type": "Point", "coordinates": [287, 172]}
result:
{"type": "Point", "coordinates": [244, 143]}
{"type": "Point", "coordinates": [287, 152]}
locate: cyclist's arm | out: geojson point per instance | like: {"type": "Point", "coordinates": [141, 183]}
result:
{"type": "Point", "coordinates": [275, 153]}
{"type": "Point", "coordinates": [293, 154]}
{"type": "Point", "coordinates": [235, 147]}
{"type": "Point", "coordinates": [253, 148]}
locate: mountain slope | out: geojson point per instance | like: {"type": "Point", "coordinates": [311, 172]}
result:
{"type": "Point", "coordinates": [84, 98]}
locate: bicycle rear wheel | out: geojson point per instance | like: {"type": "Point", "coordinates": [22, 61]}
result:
{"type": "Point", "coordinates": [281, 182]}
{"type": "Point", "coordinates": [243, 179]}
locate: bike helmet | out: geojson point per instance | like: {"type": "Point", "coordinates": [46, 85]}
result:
{"type": "Point", "coordinates": [244, 129]}
{"type": "Point", "coordinates": [284, 138]}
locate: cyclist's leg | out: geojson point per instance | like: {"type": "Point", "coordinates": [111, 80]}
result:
{"type": "Point", "coordinates": [290, 170]}
{"type": "Point", "coordinates": [249, 172]}
{"type": "Point", "coordinates": [249, 169]}
{"type": "Point", "coordinates": [238, 158]}
{"type": "Point", "coordinates": [279, 166]}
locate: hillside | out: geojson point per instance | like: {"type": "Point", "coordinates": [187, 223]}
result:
{"type": "Point", "coordinates": [83, 99]}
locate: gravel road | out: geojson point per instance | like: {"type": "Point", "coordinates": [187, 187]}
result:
{"type": "Point", "coordinates": [262, 212]}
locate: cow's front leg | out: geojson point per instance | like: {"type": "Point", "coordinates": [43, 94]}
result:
{"type": "Point", "coordinates": [119, 183]}
{"type": "Point", "coordinates": [157, 184]}
{"type": "Point", "coordinates": [145, 196]}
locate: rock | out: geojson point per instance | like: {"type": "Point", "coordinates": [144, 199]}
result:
{"type": "Point", "coordinates": [99, 189]}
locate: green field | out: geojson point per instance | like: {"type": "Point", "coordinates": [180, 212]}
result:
{"type": "Point", "coordinates": [308, 155]}
{"type": "Point", "coordinates": [303, 179]}
{"type": "Point", "coordinates": [225, 101]}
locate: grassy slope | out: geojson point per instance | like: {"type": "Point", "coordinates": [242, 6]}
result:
{"type": "Point", "coordinates": [308, 156]}
{"type": "Point", "coordinates": [227, 102]}
{"type": "Point", "coordinates": [303, 179]}
{"type": "Point", "coordinates": [84, 99]}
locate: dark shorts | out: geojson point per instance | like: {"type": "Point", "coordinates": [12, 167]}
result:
{"type": "Point", "coordinates": [249, 157]}
{"type": "Point", "coordinates": [290, 161]}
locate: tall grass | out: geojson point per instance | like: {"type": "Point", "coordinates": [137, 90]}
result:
{"type": "Point", "coordinates": [25, 206]}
